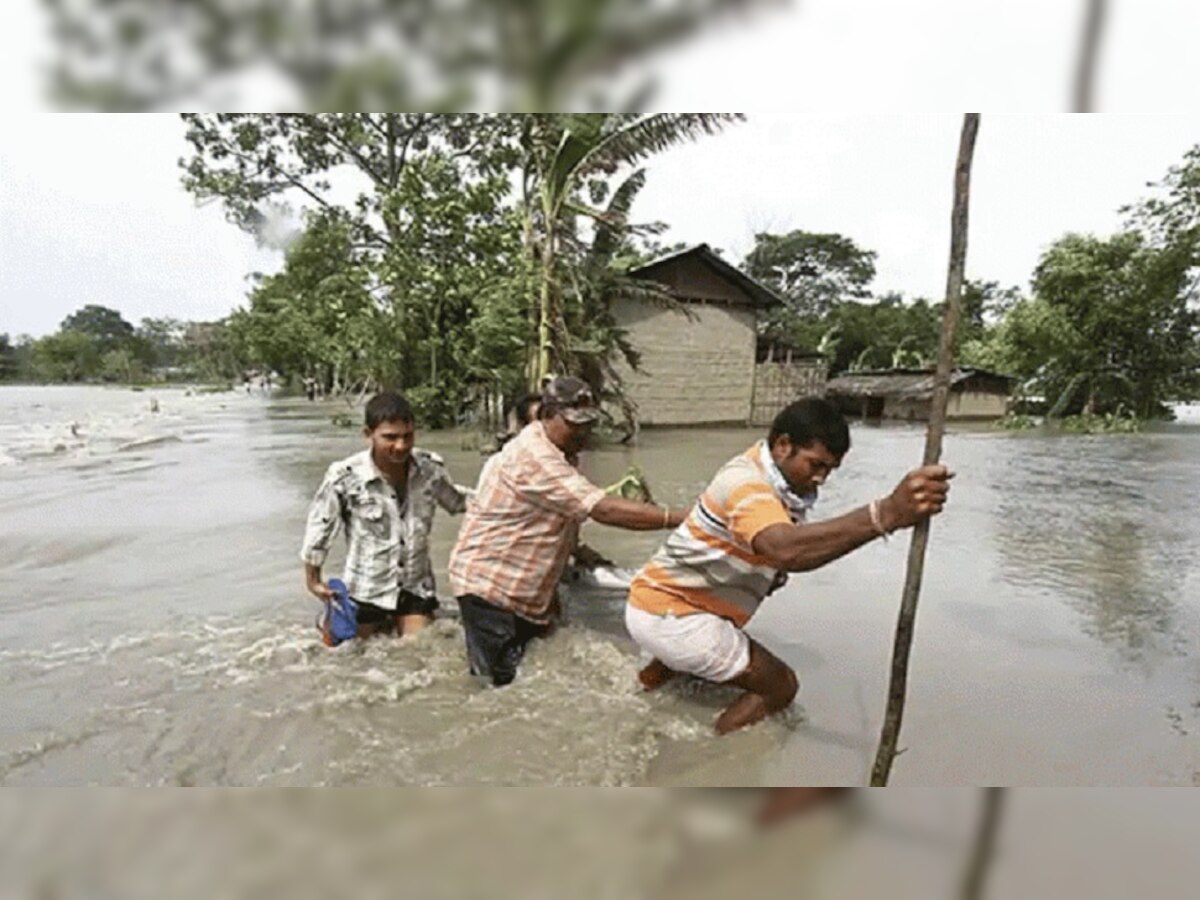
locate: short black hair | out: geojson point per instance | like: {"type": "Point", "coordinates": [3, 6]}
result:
{"type": "Point", "coordinates": [387, 407]}
{"type": "Point", "coordinates": [810, 420]}
{"type": "Point", "coordinates": [521, 408]}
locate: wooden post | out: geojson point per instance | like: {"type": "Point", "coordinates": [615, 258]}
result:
{"type": "Point", "coordinates": [984, 848]}
{"type": "Point", "coordinates": [1084, 89]}
{"type": "Point", "coordinates": [897, 688]}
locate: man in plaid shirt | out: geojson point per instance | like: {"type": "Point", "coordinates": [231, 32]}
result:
{"type": "Point", "coordinates": [522, 525]}
{"type": "Point", "coordinates": [384, 498]}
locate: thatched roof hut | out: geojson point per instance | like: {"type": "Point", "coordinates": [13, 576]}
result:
{"type": "Point", "coordinates": [906, 393]}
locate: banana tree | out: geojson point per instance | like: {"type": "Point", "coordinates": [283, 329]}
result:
{"type": "Point", "coordinates": [567, 154]}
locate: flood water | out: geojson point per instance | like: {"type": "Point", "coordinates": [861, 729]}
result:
{"type": "Point", "coordinates": [154, 628]}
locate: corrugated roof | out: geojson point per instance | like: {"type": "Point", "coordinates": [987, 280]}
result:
{"type": "Point", "coordinates": [760, 293]}
{"type": "Point", "coordinates": [914, 384]}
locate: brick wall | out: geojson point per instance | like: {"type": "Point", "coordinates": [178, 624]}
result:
{"type": "Point", "coordinates": [693, 371]}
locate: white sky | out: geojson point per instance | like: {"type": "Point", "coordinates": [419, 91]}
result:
{"type": "Point", "coordinates": [91, 210]}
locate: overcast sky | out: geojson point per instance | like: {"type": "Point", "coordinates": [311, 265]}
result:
{"type": "Point", "coordinates": [91, 210]}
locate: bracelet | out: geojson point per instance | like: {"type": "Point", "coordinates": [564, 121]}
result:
{"type": "Point", "coordinates": [666, 517]}
{"type": "Point", "coordinates": [876, 520]}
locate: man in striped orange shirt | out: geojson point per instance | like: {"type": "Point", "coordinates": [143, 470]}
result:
{"type": "Point", "coordinates": [689, 604]}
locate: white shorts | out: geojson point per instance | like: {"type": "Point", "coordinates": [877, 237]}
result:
{"type": "Point", "coordinates": [699, 644]}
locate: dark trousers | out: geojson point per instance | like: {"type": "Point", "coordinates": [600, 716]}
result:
{"type": "Point", "coordinates": [496, 638]}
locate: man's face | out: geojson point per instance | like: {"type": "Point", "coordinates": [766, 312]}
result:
{"type": "Point", "coordinates": [805, 468]}
{"type": "Point", "coordinates": [577, 436]}
{"type": "Point", "coordinates": [392, 442]}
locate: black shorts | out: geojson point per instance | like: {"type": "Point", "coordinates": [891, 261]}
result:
{"type": "Point", "coordinates": [496, 638]}
{"type": "Point", "coordinates": [408, 605]}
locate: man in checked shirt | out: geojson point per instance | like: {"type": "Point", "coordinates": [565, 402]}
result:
{"type": "Point", "coordinates": [523, 523]}
{"type": "Point", "coordinates": [384, 498]}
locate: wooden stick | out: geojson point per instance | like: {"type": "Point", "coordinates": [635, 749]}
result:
{"type": "Point", "coordinates": [984, 848]}
{"type": "Point", "coordinates": [890, 734]}
{"type": "Point", "coordinates": [1084, 89]}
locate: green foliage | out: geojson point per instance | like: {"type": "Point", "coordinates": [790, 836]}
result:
{"type": "Point", "coordinates": [16, 358]}
{"type": "Point", "coordinates": [106, 327]}
{"type": "Point", "coordinates": [136, 55]}
{"type": "Point", "coordinates": [163, 342]}
{"type": "Point", "coordinates": [68, 355]}
{"type": "Point", "coordinates": [567, 161]}
{"type": "Point", "coordinates": [1015, 422]}
{"type": "Point", "coordinates": [1123, 321]}
{"type": "Point", "coordinates": [316, 316]}
{"type": "Point", "coordinates": [259, 166]}
{"type": "Point", "coordinates": [1171, 216]}
{"type": "Point", "coordinates": [886, 334]}
{"type": "Point", "coordinates": [120, 365]}
{"type": "Point", "coordinates": [1119, 421]}
{"type": "Point", "coordinates": [812, 272]}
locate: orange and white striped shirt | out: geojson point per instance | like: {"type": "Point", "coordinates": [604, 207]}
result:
{"type": "Point", "coordinates": [521, 526]}
{"type": "Point", "coordinates": [708, 564]}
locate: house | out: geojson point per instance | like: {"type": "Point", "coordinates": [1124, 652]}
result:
{"type": "Point", "coordinates": [698, 367]}
{"type": "Point", "coordinates": [783, 373]}
{"type": "Point", "coordinates": [907, 393]}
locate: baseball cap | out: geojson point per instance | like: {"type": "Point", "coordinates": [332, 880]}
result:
{"type": "Point", "coordinates": [573, 398]}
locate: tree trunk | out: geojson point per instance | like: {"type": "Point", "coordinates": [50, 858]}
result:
{"type": "Point", "coordinates": [897, 688]}
{"type": "Point", "coordinates": [546, 309]}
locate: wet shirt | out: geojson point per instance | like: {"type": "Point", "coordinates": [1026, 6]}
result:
{"type": "Point", "coordinates": [388, 541]}
{"type": "Point", "coordinates": [707, 564]}
{"type": "Point", "coordinates": [521, 525]}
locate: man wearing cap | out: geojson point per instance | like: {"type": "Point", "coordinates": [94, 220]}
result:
{"type": "Point", "coordinates": [522, 525]}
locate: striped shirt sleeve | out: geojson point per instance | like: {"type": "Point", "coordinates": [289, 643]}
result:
{"type": "Point", "coordinates": [751, 508]}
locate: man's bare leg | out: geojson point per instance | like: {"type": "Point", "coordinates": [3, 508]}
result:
{"type": "Point", "coordinates": [770, 686]}
{"type": "Point", "coordinates": [783, 803]}
{"type": "Point", "coordinates": [655, 675]}
{"type": "Point", "coordinates": [412, 624]}
{"type": "Point", "coordinates": [371, 629]}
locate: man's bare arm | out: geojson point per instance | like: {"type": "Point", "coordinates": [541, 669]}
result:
{"type": "Point", "coordinates": [802, 548]}
{"type": "Point", "coordinates": [631, 514]}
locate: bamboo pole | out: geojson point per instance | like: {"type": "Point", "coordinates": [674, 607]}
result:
{"type": "Point", "coordinates": [897, 688]}
{"type": "Point", "coordinates": [983, 850]}
{"type": "Point", "coordinates": [1084, 89]}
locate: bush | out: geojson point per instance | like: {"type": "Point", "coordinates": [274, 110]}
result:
{"type": "Point", "coordinates": [1118, 422]}
{"type": "Point", "coordinates": [1015, 422]}
{"type": "Point", "coordinates": [433, 406]}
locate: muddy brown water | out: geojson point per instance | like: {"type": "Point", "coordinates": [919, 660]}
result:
{"type": "Point", "coordinates": [154, 629]}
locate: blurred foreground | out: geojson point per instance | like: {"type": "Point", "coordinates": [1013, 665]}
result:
{"type": "Point", "coordinates": [589, 844]}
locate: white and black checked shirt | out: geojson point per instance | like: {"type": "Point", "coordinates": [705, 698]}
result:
{"type": "Point", "coordinates": [388, 546]}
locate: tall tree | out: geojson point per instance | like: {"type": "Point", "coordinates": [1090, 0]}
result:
{"type": "Point", "coordinates": [106, 327]}
{"type": "Point", "coordinates": [1132, 309]}
{"type": "Point", "coordinates": [68, 355]}
{"type": "Point", "coordinates": [1170, 217]}
{"type": "Point", "coordinates": [316, 317]}
{"type": "Point", "coordinates": [263, 167]}
{"type": "Point", "coordinates": [813, 271]}
{"type": "Point", "coordinates": [460, 252]}
{"type": "Point", "coordinates": [162, 339]}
